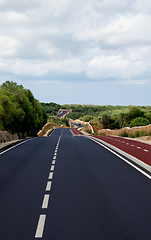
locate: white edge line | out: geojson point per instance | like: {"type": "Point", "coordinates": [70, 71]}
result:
{"type": "Point", "coordinates": [51, 133]}
{"type": "Point", "coordinates": [142, 164]}
{"type": "Point", "coordinates": [16, 145]}
{"type": "Point", "coordinates": [72, 133]}
{"type": "Point", "coordinates": [40, 226]}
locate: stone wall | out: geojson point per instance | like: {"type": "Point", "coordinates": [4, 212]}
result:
{"type": "Point", "coordinates": [6, 136]}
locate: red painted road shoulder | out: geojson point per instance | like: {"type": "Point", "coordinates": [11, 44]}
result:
{"type": "Point", "coordinates": [140, 150]}
{"type": "Point", "coordinates": [76, 131]}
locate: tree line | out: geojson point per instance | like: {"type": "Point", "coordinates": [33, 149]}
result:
{"type": "Point", "coordinates": [108, 116]}
{"type": "Point", "coordinates": [134, 117]}
{"type": "Point", "coordinates": [20, 112]}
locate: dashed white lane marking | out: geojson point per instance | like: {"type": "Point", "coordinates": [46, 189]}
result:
{"type": "Point", "coordinates": [50, 175]}
{"type": "Point", "coordinates": [40, 227]}
{"type": "Point", "coordinates": [131, 164]}
{"type": "Point", "coordinates": [45, 201]}
{"type": "Point", "coordinates": [52, 168]}
{"type": "Point", "coordinates": [146, 150]}
{"type": "Point", "coordinates": [42, 218]}
{"type": "Point", "coordinates": [48, 187]}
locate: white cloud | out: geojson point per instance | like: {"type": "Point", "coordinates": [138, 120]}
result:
{"type": "Point", "coordinates": [130, 64]}
{"type": "Point", "coordinates": [136, 82]}
{"type": "Point", "coordinates": [17, 5]}
{"type": "Point", "coordinates": [142, 6]}
{"type": "Point", "coordinates": [42, 68]}
{"type": "Point", "coordinates": [123, 30]}
{"type": "Point", "coordinates": [102, 39]}
{"type": "Point", "coordinates": [8, 46]}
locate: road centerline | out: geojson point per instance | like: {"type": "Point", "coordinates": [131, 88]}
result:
{"type": "Point", "coordinates": [40, 227]}
{"type": "Point", "coordinates": [48, 187]}
{"type": "Point", "coordinates": [45, 201]}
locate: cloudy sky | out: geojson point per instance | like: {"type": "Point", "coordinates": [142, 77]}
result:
{"type": "Point", "coordinates": [83, 51]}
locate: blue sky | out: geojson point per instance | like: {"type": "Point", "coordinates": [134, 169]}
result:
{"type": "Point", "coordinates": [84, 51]}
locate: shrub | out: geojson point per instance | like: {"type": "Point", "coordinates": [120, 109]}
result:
{"type": "Point", "coordinates": [89, 131]}
{"type": "Point", "coordinates": [135, 112]}
{"type": "Point", "coordinates": [109, 123]}
{"type": "Point", "coordinates": [124, 134]}
{"type": "Point", "coordinates": [148, 116]}
{"type": "Point", "coordinates": [140, 121]}
{"type": "Point", "coordinates": [86, 118]}
{"type": "Point", "coordinates": [137, 134]}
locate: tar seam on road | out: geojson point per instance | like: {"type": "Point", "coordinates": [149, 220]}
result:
{"type": "Point", "coordinates": [45, 203]}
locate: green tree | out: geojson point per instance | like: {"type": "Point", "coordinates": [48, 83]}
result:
{"type": "Point", "coordinates": [135, 112]}
{"type": "Point", "coordinates": [20, 112]}
{"type": "Point", "coordinates": [105, 121]}
{"type": "Point", "coordinates": [87, 118]}
{"type": "Point", "coordinates": [140, 121]}
{"type": "Point", "coordinates": [148, 116]}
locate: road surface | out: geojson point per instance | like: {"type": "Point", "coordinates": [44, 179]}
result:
{"type": "Point", "coordinates": [137, 149]}
{"type": "Point", "coordinates": [66, 187]}
{"type": "Point", "coordinates": [77, 125]}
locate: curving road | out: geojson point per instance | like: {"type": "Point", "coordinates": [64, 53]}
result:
{"type": "Point", "coordinates": [66, 187]}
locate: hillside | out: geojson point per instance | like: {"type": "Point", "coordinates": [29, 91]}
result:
{"type": "Point", "coordinates": [112, 117]}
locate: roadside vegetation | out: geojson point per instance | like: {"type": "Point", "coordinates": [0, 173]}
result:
{"type": "Point", "coordinates": [20, 112]}
{"type": "Point", "coordinates": [119, 118]}
{"type": "Point", "coordinates": [112, 117]}
{"type": "Point", "coordinates": [56, 122]}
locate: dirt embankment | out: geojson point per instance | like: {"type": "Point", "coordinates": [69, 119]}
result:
{"type": "Point", "coordinates": [146, 130]}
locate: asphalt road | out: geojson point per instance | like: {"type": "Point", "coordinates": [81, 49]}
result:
{"type": "Point", "coordinates": [66, 187]}
{"type": "Point", "coordinates": [137, 149]}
